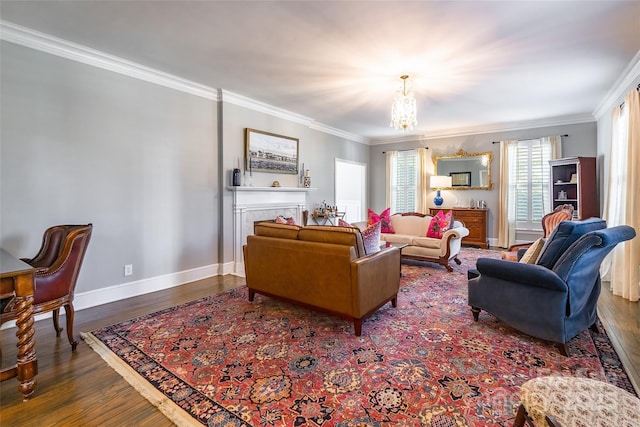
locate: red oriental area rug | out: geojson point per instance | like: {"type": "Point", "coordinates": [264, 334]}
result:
{"type": "Point", "coordinates": [224, 361]}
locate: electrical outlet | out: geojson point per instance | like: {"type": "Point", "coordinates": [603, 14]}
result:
{"type": "Point", "coordinates": [128, 269]}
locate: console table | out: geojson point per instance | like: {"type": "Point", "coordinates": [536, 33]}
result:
{"type": "Point", "coordinates": [475, 220]}
{"type": "Point", "coordinates": [16, 281]}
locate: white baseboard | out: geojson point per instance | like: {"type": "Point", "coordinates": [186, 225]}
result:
{"type": "Point", "coordinates": [122, 291]}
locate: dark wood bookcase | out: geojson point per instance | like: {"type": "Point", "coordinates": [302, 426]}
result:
{"type": "Point", "coordinates": [573, 181]}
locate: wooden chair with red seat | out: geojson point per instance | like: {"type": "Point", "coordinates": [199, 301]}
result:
{"type": "Point", "coordinates": [57, 266]}
{"type": "Point", "coordinates": [549, 223]}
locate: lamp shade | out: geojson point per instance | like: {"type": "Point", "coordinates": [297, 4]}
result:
{"type": "Point", "coordinates": [440, 181]}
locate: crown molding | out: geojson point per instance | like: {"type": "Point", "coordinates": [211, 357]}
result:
{"type": "Point", "coordinates": [27, 37]}
{"type": "Point", "coordinates": [626, 79]}
{"type": "Point", "coordinates": [340, 133]}
{"type": "Point", "coordinates": [252, 104]}
{"type": "Point", "coordinates": [49, 44]}
{"type": "Point", "coordinates": [490, 128]}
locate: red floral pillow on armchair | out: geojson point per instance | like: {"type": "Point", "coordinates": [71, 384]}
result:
{"type": "Point", "coordinates": [440, 223]}
{"type": "Point", "coordinates": [384, 218]}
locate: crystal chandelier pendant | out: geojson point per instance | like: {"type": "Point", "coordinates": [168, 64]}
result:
{"type": "Point", "coordinates": [403, 110]}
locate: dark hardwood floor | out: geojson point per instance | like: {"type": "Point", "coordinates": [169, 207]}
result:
{"type": "Point", "coordinates": [80, 389]}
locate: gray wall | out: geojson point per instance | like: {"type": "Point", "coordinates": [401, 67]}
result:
{"type": "Point", "coordinates": [580, 142]}
{"type": "Point", "coordinates": [317, 150]}
{"type": "Point", "coordinates": [147, 165]}
{"type": "Point", "coordinates": [80, 144]}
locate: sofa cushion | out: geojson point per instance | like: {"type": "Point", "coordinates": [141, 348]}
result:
{"type": "Point", "coordinates": [439, 224]}
{"type": "Point", "coordinates": [272, 229]}
{"type": "Point", "coordinates": [533, 252]}
{"type": "Point", "coordinates": [397, 238]}
{"type": "Point", "coordinates": [384, 217]}
{"type": "Point", "coordinates": [338, 235]}
{"type": "Point", "coordinates": [563, 236]}
{"type": "Point", "coordinates": [427, 242]}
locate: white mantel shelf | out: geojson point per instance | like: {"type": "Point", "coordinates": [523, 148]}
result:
{"type": "Point", "coordinates": [284, 189]}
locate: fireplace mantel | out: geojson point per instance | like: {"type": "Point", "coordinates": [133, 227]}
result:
{"type": "Point", "coordinates": [252, 204]}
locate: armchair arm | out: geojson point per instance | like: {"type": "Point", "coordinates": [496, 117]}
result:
{"type": "Point", "coordinates": [520, 273]}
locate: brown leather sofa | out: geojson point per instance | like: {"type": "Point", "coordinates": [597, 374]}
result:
{"type": "Point", "coordinates": [322, 267]}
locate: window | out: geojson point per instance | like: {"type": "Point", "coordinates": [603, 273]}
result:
{"type": "Point", "coordinates": [529, 182]}
{"type": "Point", "coordinates": [404, 181]}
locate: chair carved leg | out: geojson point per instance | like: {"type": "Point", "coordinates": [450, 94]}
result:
{"type": "Point", "coordinates": [56, 324]}
{"type": "Point", "coordinates": [521, 416]}
{"type": "Point", "coordinates": [476, 313]}
{"type": "Point", "coordinates": [70, 312]}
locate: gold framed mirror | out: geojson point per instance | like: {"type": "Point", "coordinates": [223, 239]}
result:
{"type": "Point", "coordinates": [468, 171]}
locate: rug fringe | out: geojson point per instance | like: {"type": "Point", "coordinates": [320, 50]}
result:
{"type": "Point", "coordinates": [172, 411]}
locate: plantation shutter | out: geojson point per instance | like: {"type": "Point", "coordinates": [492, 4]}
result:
{"type": "Point", "coordinates": [532, 183]}
{"type": "Point", "coordinates": [404, 180]}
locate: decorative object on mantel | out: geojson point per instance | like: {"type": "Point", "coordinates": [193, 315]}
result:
{"type": "Point", "coordinates": [439, 182]}
{"type": "Point", "coordinates": [236, 177]}
{"type": "Point", "coordinates": [307, 179]}
{"type": "Point", "coordinates": [403, 110]}
{"type": "Point", "coordinates": [276, 184]}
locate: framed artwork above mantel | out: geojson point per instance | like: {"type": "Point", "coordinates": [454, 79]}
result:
{"type": "Point", "coordinates": [270, 152]}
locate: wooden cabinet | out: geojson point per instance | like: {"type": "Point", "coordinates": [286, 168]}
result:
{"type": "Point", "coordinates": [475, 220]}
{"type": "Point", "coordinates": [573, 181]}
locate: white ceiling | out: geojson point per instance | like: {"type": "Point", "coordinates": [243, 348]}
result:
{"type": "Point", "coordinates": [474, 64]}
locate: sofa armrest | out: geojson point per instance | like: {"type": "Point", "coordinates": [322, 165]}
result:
{"type": "Point", "coordinates": [375, 279]}
{"type": "Point", "coordinates": [456, 233]}
{"type": "Point", "coordinates": [521, 273]}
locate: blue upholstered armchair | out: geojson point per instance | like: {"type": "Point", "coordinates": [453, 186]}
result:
{"type": "Point", "coordinates": [554, 299]}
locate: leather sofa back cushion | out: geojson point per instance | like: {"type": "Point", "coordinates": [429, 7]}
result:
{"type": "Point", "coordinates": [338, 235]}
{"type": "Point", "coordinates": [272, 229]}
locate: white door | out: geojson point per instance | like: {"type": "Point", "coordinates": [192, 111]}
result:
{"type": "Point", "coordinates": [351, 180]}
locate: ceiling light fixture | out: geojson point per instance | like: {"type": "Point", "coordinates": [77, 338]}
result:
{"type": "Point", "coordinates": [403, 110]}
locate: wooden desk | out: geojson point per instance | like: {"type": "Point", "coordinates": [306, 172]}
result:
{"type": "Point", "coordinates": [16, 278]}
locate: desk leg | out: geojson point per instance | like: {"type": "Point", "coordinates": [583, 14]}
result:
{"type": "Point", "coordinates": [27, 364]}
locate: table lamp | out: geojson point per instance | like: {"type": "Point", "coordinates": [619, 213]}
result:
{"type": "Point", "coordinates": [438, 182]}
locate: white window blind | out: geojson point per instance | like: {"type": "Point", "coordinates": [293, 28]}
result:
{"type": "Point", "coordinates": [404, 181]}
{"type": "Point", "coordinates": [530, 179]}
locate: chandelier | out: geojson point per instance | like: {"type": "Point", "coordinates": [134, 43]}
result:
{"type": "Point", "coordinates": [403, 110]}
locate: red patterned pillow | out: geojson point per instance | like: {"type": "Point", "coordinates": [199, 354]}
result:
{"type": "Point", "coordinates": [384, 218]}
{"type": "Point", "coordinates": [439, 224]}
{"type": "Point", "coordinates": [282, 220]}
{"type": "Point", "coordinates": [343, 223]}
{"type": "Point", "coordinates": [371, 238]}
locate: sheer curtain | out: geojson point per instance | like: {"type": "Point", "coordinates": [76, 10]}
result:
{"type": "Point", "coordinates": [424, 168]}
{"type": "Point", "coordinates": [506, 204]}
{"type": "Point", "coordinates": [391, 155]}
{"type": "Point", "coordinates": [622, 204]}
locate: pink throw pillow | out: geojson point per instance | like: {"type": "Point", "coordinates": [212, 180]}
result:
{"type": "Point", "coordinates": [384, 218]}
{"type": "Point", "coordinates": [371, 238]}
{"type": "Point", "coordinates": [282, 220]}
{"type": "Point", "coordinates": [439, 224]}
{"type": "Point", "coordinates": [343, 223]}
